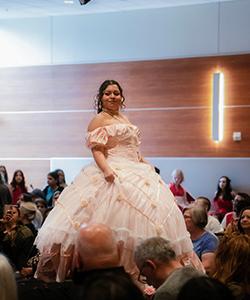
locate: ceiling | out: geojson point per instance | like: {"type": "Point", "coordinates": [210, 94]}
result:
{"type": "Point", "coordinates": [40, 8]}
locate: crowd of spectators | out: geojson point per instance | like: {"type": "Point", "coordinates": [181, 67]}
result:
{"type": "Point", "coordinates": [219, 230]}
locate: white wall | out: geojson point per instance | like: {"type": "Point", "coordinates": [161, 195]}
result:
{"type": "Point", "coordinates": [201, 174]}
{"type": "Point", "coordinates": [183, 31]}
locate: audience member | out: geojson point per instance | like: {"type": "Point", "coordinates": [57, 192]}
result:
{"type": "Point", "coordinates": [42, 206]}
{"type": "Point", "coordinates": [28, 198]}
{"type": "Point", "coordinates": [37, 193]}
{"type": "Point", "coordinates": [55, 197]}
{"type": "Point", "coordinates": [52, 187]}
{"type": "Point", "coordinates": [96, 256]}
{"type": "Point", "coordinates": [100, 240]}
{"type": "Point", "coordinates": [4, 174]}
{"type": "Point", "coordinates": [222, 202]}
{"type": "Point", "coordinates": [17, 186]}
{"type": "Point", "coordinates": [61, 178]}
{"type": "Point", "coordinates": [8, 289]}
{"type": "Point", "coordinates": [229, 222]}
{"type": "Point", "coordinates": [204, 288]}
{"type": "Point", "coordinates": [108, 286]}
{"type": "Point", "coordinates": [159, 267]}
{"type": "Point", "coordinates": [5, 195]}
{"type": "Point", "coordinates": [28, 214]}
{"type": "Point", "coordinates": [183, 198]}
{"type": "Point", "coordinates": [205, 243]}
{"type": "Point", "coordinates": [232, 264]}
{"type": "Point", "coordinates": [16, 240]}
{"type": "Point", "coordinates": [244, 221]}
{"type": "Point", "coordinates": [213, 224]}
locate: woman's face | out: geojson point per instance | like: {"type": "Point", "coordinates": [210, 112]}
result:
{"type": "Point", "coordinates": [51, 181]}
{"type": "Point", "coordinates": [61, 176]}
{"type": "Point", "coordinates": [2, 169]}
{"type": "Point", "coordinates": [41, 207]}
{"type": "Point", "coordinates": [111, 99]}
{"type": "Point", "coordinates": [177, 179]}
{"type": "Point", "coordinates": [12, 214]}
{"type": "Point", "coordinates": [245, 219]}
{"type": "Point", "coordinates": [19, 177]}
{"type": "Point", "coordinates": [188, 220]}
{"type": "Point", "coordinates": [222, 183]}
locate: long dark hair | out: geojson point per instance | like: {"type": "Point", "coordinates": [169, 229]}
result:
{"type": "Point", "coordinates": [227, 193]}
{"type": "Point", "coordinates": [14, 184]}
{"type": "Point", "coordinates": [102, 88]}
{"type": "Point", "coordinates": [5, 174]}
{"type": "Point", "coordinates": [241, 230]}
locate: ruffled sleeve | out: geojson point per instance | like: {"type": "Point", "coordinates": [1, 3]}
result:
{"type": "Point", "coordinates": [97, 137]}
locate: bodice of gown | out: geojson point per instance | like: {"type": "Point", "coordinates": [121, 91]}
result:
{"type": "Point", "coordinates": [120, 141]}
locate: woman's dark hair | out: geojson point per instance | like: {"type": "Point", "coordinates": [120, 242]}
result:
{"type": "Point", "coordinates": [241, 204]}
{"type": "Point", "coordinates": [204, 288]}
{"type": "Point", "coordinates": [54, 175]}
{"type": "Point", "coordinates": [5, 173]}
{"type": "Point", "coordinates": [241, 230]}
{"type": "Point", "coordinates": [60, 171]}
{"type": "Point", "coordinates": [14, 184]}
{"type": "Point", "coordinates": [102, 88]}
{"type": "Point", "coordinates": [228, 189]}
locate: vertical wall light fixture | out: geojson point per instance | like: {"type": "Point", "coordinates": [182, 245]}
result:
{"type": "Point", "coordinates": [218, 107]}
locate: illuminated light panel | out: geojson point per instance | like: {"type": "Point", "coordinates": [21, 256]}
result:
{"type": "Point", "coordinates": [218, 107]}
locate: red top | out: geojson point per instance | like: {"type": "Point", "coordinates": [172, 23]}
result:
{"type": "Point", "coordinates": [222, 206]}
{"type": "Point", "coordinates": [177, 191]}
{"type": "Point", "coordinates": [16, 193]}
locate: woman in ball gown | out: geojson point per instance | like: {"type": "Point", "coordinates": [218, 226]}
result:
{"type": "Point", "coordinates": [119, 189]}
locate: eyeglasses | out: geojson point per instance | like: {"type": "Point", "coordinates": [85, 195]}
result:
{"type": "Point", "coordinates": [142, 278]}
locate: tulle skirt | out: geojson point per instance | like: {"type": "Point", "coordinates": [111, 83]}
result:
{"type": "Point", "coordinates": [138, 205]}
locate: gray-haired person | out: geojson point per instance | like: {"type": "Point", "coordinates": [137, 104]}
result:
{"type": "Point", "coordinates": [160, 267]}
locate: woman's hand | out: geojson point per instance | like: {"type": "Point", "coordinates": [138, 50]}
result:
{"type": "Point", "coordinates": [109, 175]}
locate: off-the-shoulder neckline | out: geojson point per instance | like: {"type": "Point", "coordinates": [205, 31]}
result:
{"type": "Point", "coordinates": [114, 124]}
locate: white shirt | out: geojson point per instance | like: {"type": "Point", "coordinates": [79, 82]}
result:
{"type": "Point", "coordinates": [214, 225]}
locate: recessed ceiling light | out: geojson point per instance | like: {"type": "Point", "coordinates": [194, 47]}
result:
{"type": "Point", "coordinates": [68, 1]}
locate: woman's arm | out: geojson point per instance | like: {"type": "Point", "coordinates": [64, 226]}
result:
{"type": "Point", "coordinates": [100, 159]}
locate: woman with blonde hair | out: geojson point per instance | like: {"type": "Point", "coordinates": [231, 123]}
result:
{"type": "Point", "coordinates": [182, 197]}
{"type": "Point", "coordinates": [8, 290]}
{"type": "Point", "coordinates": [232, 264]}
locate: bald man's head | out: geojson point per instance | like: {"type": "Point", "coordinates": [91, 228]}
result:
{"type": "Point", "coordinates": [96, 247]}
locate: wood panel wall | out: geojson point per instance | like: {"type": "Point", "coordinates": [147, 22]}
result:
{"type": "Point", "coordinates": [44, 111]}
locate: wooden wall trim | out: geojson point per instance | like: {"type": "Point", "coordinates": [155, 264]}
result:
{"type": "Point", "coordinates": [170, 100]}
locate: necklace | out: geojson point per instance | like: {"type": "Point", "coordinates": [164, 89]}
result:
{"type": "Point", "coordinates": [117, 117]}
{"type": "Point", "coordinates": [113, 115]}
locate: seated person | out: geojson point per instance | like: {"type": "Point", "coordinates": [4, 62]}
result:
{"type": "Point", "coordinates": [95, 238]}
{"type": "Point", "coordinates": [5, 195]}
{"type": "Point", "coordinates": [204, 288]}
{"type": "Point", "coordinates": [52, 187]}
{"type": "Point", "coordinates": [223, 200]}
{"type": "Point", "coordinates": [232, 264]}
{"type": "Point", "coordinates": [28, 198]}
{"type": "Point", "coordinates": [240, 201]}
{"type": "Point", "coordinates": [108, 286]}
{"type": "Point", "coordinates": [213, 224]}
{"type": "Point", "coordinates": [16, 240]}
{"type": "Point", "coordinates": [42, 206]}
{"type": "Point", "coordinates": [182, 197]}
{"type": "Point", "coordinates": [244, 221]}
{"type": "Point", "coordinates": [27, 215]}
{"type": "Point", "coordinates": [205, 243]}
{"type": "Point", "coordinates": [160, 267]}
{"type": "Point", "coordinates": [8, 289]}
